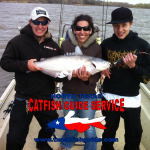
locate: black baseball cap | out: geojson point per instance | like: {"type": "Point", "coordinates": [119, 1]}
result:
{"type": "Point", "coordinates": [121, 15]}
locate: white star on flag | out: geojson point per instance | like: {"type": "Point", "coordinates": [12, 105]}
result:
{"type": "Point", "coordinates": [57, 122]}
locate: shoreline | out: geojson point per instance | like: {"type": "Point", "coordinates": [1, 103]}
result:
{"type": "Point", "coordinates": [109, 4]}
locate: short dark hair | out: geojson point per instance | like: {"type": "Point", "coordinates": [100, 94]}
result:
{"type": "Point", "coordinates": [87, 18]}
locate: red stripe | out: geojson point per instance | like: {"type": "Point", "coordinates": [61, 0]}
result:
{"type": "Point", "coordinates": [80, 127]}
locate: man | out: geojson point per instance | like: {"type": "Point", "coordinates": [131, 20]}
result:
{"type": "Point", "coordinates": [33, 43]}
{"type": "Point", "coordinates": [124, 80]}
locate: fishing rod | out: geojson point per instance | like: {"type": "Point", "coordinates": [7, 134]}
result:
{"type": "Point", "coordinates": [103, 21]}
{"type": "Point", "coordinates": [61, 18]}
{"type": "Point", "coordinates": [106, 20]}
{"type": "Point", "coordinates": [120, 62]}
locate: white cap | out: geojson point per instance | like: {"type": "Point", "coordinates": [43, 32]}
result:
{"type": "Point", "coordinates": [39, 12]}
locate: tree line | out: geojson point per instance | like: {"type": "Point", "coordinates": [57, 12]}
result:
{"type": "Point", "coordinates": [83, 2]}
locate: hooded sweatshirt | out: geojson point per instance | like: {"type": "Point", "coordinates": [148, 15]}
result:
{"type": "Point", "coordinates": [123, 80]}
{"type": "Point", "coordinates": [15, 58]}
{"type": "Point", "coordinates": [89, 48]}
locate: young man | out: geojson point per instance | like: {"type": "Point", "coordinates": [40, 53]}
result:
{"type": "Point", "coordinates": [33, 43]}
{"type": "Point", "coordinates": [124, 79]}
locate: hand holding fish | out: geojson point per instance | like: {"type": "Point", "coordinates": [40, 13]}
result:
{"type": "Point", "coordinates": [129, 60]}
{"type": "Point", "coordinates": [32, 66]}
{"type": "Point", "coordinates": [106, 73]}
{"type": "Point", "coordinates": [83, 74]}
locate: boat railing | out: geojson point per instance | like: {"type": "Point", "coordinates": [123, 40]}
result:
{"type": "Point", "coordinates": [145, 115]}
{"type": "Point", "coordinates": [7, 92]}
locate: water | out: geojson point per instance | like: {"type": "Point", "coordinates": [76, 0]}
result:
{"type": "Point", "coordinates": [13, 15]}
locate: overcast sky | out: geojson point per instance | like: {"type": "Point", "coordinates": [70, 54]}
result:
{"type": "Point", "coordinates": [131, 1]}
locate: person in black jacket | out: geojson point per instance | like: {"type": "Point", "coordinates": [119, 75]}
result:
{"type": "Point", "coordinates": [124, 79]}
{"type": "Point", "coordinates": [33, 43]}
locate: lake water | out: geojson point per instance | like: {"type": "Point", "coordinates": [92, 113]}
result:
{"type": "Point", "coordinates": [13, 15]}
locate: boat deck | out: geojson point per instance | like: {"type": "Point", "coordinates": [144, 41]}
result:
{"type": "Point", "coordinates": [35, 127]}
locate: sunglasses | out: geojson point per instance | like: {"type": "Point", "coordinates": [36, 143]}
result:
{"type": "Point", "coordinates": [85, 28]}
{"type": "Point", "coordinates": [38, 22]}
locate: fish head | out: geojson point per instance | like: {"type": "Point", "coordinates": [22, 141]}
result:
{"type": "Point", "coordinates": [100, 64]}
{"type": "Point", "coordinates": [58, 124]}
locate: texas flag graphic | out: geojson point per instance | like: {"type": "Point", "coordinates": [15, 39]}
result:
{"type": "Point", "coordinates": [80, 124]}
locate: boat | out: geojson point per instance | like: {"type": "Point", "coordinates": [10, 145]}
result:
{"type": "Point", "coordinates": [8, 96]}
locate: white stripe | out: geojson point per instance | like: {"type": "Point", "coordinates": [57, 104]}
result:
{"type": "Point", "coordinates": [129, 101]}
{"type": "Point", "coordinates": [69, 120]}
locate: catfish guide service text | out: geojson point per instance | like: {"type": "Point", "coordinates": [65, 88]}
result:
{"type": "Point", "coordinates": [40, 105]}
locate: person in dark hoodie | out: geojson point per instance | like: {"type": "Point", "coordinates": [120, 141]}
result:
{"type": "Point", "coordinates": [124, 80]}
{"type": "Point", "coordinates": [33, 43]}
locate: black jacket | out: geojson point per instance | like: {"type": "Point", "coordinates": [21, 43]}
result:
{"type": "Point", "coordinates": [15, 57]}
{"type": "Point", "coordinates": [123, 80]}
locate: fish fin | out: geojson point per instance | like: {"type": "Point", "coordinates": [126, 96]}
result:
{"type": "Point", "coordinates": [69, 75]}
{"type": "Point", "coordinates": [78, 51]}
{"type": "Point", "coordinates": [93, 70]}
{"type": "Point", "coordinates": [50, 73]}
{"type": "Point", "coordinates": [63, 74]}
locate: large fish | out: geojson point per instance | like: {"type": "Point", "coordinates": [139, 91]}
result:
{"type": "Point", "coordinates": [63, 65]}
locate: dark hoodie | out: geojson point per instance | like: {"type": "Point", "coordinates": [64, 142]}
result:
{"type": "Point", "coordinates": [123, 80]}
{"type": "Point", "coordinates": [15, 58]}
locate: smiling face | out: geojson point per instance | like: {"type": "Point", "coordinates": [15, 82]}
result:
{"type": "Point", "coordinates": [82, 35]}
{"type": "Point", "coordinates": [39, 30]}
{"type": "Point", "coordinates": [122, 29]}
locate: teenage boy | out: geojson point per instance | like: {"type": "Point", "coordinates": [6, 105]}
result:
{"type": "Point", "coordinates": [124, 80]}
